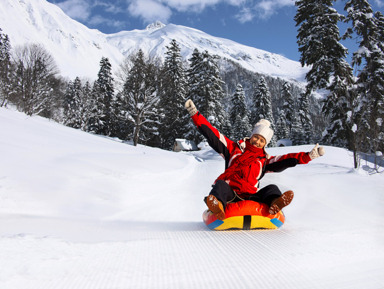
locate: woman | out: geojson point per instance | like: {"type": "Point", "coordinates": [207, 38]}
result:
{"type": "Point", "coordinates": [246, 163]}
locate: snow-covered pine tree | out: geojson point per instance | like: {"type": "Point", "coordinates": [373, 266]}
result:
{"type": "Point", "coordinates": [239, 115]}
{"type": "Point", "coordinates": [288, 106]}
{"type": "Point", "coordinates": [339, 108]}
{"type": "Point", "coordinates": [87, 104]}
{"type": "Point", "coordinates": [205, 89]}
{"type": "Point", "coordinates": [369, 59]}
{"type": "Point", "coordinates": [305, 119]}
{"type": "Point", "coordinates": [195, 91]}
{"type": "Point", "coordinates": [318, 39]}
{"type": "Point", "coordinates": [379, 76]}
{"type": "Point", "coordinates": [141, 98]}
{"type": "Point", "coordinates": [173, 91]}
{"type": "Point", "coordinates": [5, 69]}
{"type": "Point", "coordinates": [106, 94]}
{"type": "Point", "coordinates": [262, 106]}
{"type": "Point", "coordinates": [101, 117]}
{"type": "Point", "coordinates": [67, 102]}
{"type": "Point", "coordinates": [282, 130]}
{"type": "Point", "coordinates": [122, 128]}
{"type": "Point", "coordinates": [95, 122]}
{"type": "Point", "coordinates": [297, 132]}
{"type": "Point", "coordinates": [73, 104]}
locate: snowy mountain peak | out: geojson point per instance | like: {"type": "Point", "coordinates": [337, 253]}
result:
{"type": "Point", "coordinates": [77, 49]}
{"type": "Point", "coordinates": [156, 25]}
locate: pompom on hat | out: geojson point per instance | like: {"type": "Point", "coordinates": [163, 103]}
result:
{"type": "Point", "coordinates": [263, 128]}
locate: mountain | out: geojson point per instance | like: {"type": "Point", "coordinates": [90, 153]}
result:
{"type": "Point", "coordinates": [155, 38]}
{"type": "Point", "coordinates": [78, 49]}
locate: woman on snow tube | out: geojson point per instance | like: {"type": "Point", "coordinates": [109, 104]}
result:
{"type": "Point", "coordinates": [246, 162]}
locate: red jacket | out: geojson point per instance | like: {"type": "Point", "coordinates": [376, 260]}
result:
{"type": "Point", "coordinates": [245, 164]}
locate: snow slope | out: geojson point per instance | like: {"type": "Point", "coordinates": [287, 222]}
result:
{"type": "Point", "coordinates": [84, 211]}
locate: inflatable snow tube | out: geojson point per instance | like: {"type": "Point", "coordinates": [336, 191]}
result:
{"type": "Point", "coordinates": [244, 215]}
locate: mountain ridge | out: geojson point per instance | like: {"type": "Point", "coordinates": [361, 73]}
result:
{"type": "Point", "coordinates": [78, 49]}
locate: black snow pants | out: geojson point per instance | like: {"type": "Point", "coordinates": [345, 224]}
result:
{"type": "Point", "coordinates": [224, 193]}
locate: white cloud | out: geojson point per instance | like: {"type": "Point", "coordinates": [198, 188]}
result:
{"type": "Point", "coordinates": [76, 9]}
{"type": "Point", "coordinates": [98, 20]}
{"type": "Point", "coordinates": [244, 10]}
{"type": "Point", "coordinates": [150, 10]}
{"type": "Point", "coordinates": [236, 2]}
{"type": "Point", "coordinates": [108, 6]}
{"type": "Point", "coordinates": [146, 8]}
{"type": "Point", "coordinates": [245, 15]}
{"type": "Point", "coordinates": [266, 8]}
{"type": "Point", "coordinates": [190, 5]}
{"type": "Point", "coordinates": [379, 3]}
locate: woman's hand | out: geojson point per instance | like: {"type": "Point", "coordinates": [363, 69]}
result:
{"type": "Point", "coordinates": [316, 152]}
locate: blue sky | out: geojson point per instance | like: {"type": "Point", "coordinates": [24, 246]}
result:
{"type": "Point", "coordinates": [263, 24]}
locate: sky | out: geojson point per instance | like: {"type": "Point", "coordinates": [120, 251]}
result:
{"type": "Point", "coordinates": [263, 24]}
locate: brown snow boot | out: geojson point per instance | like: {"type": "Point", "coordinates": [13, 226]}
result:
{"type": "Point", "coordinates": [281, 202]}
{"type": "Point", "coordinates": [215, 206]}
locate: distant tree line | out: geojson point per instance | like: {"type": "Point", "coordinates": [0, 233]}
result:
{"type": "Point", "coordinates": [145, 103]}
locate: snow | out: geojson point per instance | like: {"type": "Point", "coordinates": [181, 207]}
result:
{"type": "Point", "coordinates": [83, 211]}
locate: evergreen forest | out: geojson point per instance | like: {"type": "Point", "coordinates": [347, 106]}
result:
{"type": "Point", "coordinates": [342, 103]}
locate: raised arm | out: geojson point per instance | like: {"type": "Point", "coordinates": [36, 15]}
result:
{"type": "Point", "coordinates": [219, 142]}
{"type": "Point", "coordinates": [280, 163]}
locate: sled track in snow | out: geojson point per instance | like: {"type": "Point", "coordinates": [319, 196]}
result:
{"type": "Point", "coordinates": [187, 255]}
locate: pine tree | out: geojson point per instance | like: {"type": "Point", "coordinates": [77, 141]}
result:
{"type": "Point", "coordinates": [105, 95]}
{"type": "Point", "coordinates": [239, 115]}
{"type": "Point", "coordinates": [195, 91]}
{"type": "Point", "coordinates": [101, 117]}
{"type": "Point", "coordinates": [73, 105]}
{"type": "Point", "coordinates": [95, 123]}
{"type": "Point", "coordinates": [262, 108]}
{"type": "Point", "coordinates": [318, 39]}
{"type": "Point", "coordinates": [378, 104]}
{"type": "Point", "coordinates": [288, 106]}
{"type": "Point", "coordinates": [141, 99]}
{"type": "Point", "coordinates": [5, 69]}
{"type": "Point", "coordinates": [339, 107]}
{"type": "Point", "coordinates": [282, 130]}
{"type": "Point", "coordinates": [370, 79]}
{"type": "Point", "coordinates": [86, 105]}
{"type": "Point", "coordinates": [205, 89]}
{"type": "Point", "coordinates": [173, 92]}
{"type": "Point", "coordinates": [305, 119]}
{"type": "Point", "coordinates": [122, 128]}
{"type": "Point", "coordinates": [297, 132]}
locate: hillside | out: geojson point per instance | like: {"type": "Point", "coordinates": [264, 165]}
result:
{"type": "Point", "coordinates": [83, 211]}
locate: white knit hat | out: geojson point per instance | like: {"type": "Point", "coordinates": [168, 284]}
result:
{"type": "Point", "coordinates": [263, 128]}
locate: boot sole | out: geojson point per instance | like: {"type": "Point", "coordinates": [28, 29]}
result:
{"type": "Point", "coordinates": [215, 206]}
{"type": "Point", "coordinates": [281, 202]}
